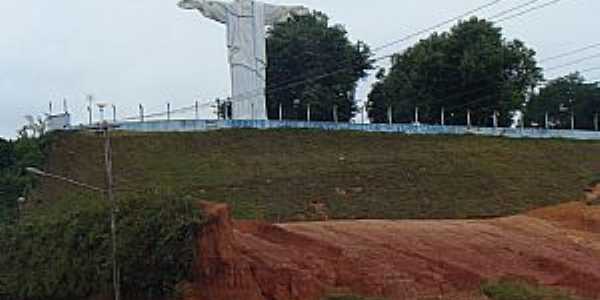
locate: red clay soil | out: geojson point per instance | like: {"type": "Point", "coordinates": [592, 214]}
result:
{"type": "Point", "coordinates": [557, 247]}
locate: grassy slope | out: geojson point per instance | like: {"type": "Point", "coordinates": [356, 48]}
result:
{"type": "Point", "coordinates": [276, 174]}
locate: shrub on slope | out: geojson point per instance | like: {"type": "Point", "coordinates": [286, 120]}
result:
{"type": "Point", "coordinates": [63, 250]}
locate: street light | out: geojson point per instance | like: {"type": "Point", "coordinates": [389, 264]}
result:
{"type": "Point", "coordinates": [41, 173]}
{"type": "Point", "coordinates": [109, 194]}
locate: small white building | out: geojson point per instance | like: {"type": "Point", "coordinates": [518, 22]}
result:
{"type": "Point", "coordinates": [58, 122]}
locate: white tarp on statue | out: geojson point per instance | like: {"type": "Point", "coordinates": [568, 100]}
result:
{"type": "Point", "coordinates": [246, 21]}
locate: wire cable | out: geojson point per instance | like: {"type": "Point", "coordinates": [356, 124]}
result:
{"type": "Point", "coordinates": [538, 7]}
{"type": "Point", "coordinates": [573, 62]}
{"type": "Point", "coordinates": [571, 52]}
{"type": "Point", "coordinates": [507, 11]}
{"type": "Point", "coordinates": [428, 29]}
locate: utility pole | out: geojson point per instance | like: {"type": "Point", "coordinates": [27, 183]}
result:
{"type": "Point", "coordinates": [113, 211]}
{"type": "Point", "coordinates": [547, 121]}
{"type": "Point", "coordinates": [596, 127]}
{"type": "Point", "coordinates": [114, 109]}
{"type": "Point", "coordinates": [109, 194]}
{"type": "Point", "coordinates": [308, 112]}
{"type": "Point", "coordinates": [197, 110]}
{"type": "Point", "coordinates": [572, 120]}
{"type": "Point", "coordinates": [390, 115]}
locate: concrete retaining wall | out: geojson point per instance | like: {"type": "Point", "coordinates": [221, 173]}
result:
{"type": "Point", "coordinates": [205, 125]}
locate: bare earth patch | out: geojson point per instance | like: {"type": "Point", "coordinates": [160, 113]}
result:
{"type": "Point", "coordinates": [557, 247]}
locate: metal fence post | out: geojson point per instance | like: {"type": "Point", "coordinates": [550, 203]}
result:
{"type": "Point", "coordinates": [141, 113]}
{"type": "Point", "coordinates": [572, 120]}
{"type": "Point", "coordinates": [495, 119]}
{"type": "Point", "coordinates": [468, 118]}
{"type": "Point", "coordinates": [443, 117]}
{"type": "Point", "coordinates": [523, 121]}
{"type": "Point", "coordinates": [308, 112]}
{"type": "Point", "coordinates": [547, 121]}
{"type": "Point", "coordinates": [168, 111]}
{"type": "Point", "coordinates": [596, 125]}
{"type": "Point", "coordinates": [335, 113]}
{"type": "Point", "coordinates": [417, 115]}
{"type": "Point", "coordinates": [90, 99]}
{"type": "Point", "coordinates": [280, 111]}
{"type": "Point", "coordinates": [390, 115]}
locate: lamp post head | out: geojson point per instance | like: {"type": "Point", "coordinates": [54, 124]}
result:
{"type": "Point", "coordinates": [35, 171]}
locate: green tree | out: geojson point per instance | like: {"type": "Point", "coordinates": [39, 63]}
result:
{"type": "Point", "coordinates": [7, 154]}
{"type": "Point", "coordinates": [560, 98]}
{"type": "Point", "coordinates": [471, 67]}
{"type": "Point", "coordinates": [14, 181]}
{"type": "Point", "coordinates": [300, 51]}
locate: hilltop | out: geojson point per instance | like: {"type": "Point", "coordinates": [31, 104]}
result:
{"type": "Point", "coordinates": [300, 175]}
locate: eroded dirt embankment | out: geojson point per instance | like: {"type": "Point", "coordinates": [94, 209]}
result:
{"type": "Point", "coordinates": [558, 247]}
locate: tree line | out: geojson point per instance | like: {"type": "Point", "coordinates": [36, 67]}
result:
{"type": "Point", "coordinates": [472, 67]}
{"type": "Point", "coordinates": [15, 156]}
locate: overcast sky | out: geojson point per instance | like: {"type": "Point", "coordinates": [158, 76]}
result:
{"type": "Point", "coordinates": [151, 52]}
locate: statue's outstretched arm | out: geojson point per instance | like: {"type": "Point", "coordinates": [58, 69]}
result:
{"type": "Point", "coordinates": [215, 10]}
{"type": "Point", "coordinates": [279, 13]}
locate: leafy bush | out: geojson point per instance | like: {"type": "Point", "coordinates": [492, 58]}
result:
{"type": "Point", "coordinates": [63, 250]}
{"type": "Point", "coordinates": [516, 290]}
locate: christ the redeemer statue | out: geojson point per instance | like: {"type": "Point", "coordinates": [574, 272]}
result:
{"type": "Point", "coordinates": [246, 21]}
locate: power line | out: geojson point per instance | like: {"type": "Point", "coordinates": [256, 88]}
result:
{"type": "Point", "coordinates": [573, 62]}
{"type": "Point", "coordinates": [505, 12]}
{"type": "Point", "coordinates": [537, 7]}
{"type": "Point", "coordinates": [571, 52]}
{"type": "Point", "coordinates": [428, 29]}
{"type": "Point", "coordinates": [590, 69]}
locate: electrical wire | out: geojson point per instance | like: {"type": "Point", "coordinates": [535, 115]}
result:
{"type": "Point", "coordinates": [571, 52]}
{"type": "Point", "coordinates": [538, 7]}
{"type": "Point", "coordinates": [428, 29]}
{"type": "Point", "coordinates": [573, 62]}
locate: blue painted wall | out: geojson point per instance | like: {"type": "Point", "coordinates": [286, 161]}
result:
{"type": "Point", "coordinates": [205, 125]}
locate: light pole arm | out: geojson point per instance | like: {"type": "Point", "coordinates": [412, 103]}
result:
{"type": "Point", "coordinates": [41, 173]}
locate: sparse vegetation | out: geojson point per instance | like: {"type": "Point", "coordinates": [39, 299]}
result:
{"type": "Point", "coordinates": [303, 174]}
{"type": "Point", "coordinates": [517, 290]}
